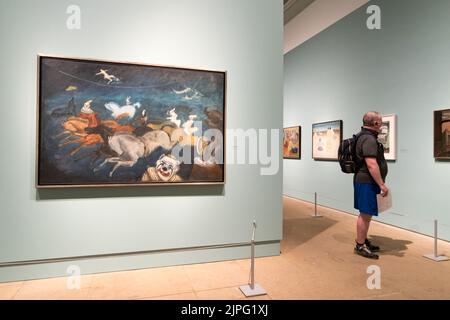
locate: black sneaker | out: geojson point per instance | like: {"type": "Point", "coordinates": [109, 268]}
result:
{"type": "Point", "coordinates": [362, 250]}
{"type": "Point", "coordinates": [371, 247]}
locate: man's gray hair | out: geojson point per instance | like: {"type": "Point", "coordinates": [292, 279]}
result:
{"type": "Point", "coordinates": [370, 118]}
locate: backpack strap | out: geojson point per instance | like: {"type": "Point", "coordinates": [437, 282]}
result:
{"type": "Point", "coordinates": [357, 163]}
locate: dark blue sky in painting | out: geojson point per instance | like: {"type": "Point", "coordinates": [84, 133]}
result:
{"type": "Point", "coordinates": [153, 87]}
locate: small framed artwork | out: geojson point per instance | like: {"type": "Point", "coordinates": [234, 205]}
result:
{"type": "Point", "coordinates": [387, 136]}
{"type": "Point", "coordinates": [326, 138]}
{"type": "Point", "coordinates": [442, 134]}
{"type": "Point", "coordinates": [292, 138]}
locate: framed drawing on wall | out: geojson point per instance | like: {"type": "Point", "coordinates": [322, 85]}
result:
{"type": "Point", "coordinates": [102, 123]}
{"type": "Point", "coordinates": [326, 138]}
{"type": "Point", "coordinates": [387, 136]}
{"type": "Point", "coordinates": [292, 138]}
{"type": "Point", "coordinates": [442, 134]}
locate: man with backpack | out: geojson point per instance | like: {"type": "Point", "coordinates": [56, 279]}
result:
{"type": "Point", "coordinates": [369, 180]}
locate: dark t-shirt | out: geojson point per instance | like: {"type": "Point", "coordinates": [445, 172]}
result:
{"type": "Point", "coordinates": [367, 146]}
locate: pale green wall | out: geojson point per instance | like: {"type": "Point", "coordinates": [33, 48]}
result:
{"type": "Point", "coordinates": [242, 37]}
{"type": "Point", "coordinates": [346, 70]}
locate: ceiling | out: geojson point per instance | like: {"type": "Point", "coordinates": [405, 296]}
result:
{"type": "Point", "coordinates": [294, 7]}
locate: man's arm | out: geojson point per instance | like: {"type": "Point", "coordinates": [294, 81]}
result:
{"type": "Point", "coordinates": [374, 170]}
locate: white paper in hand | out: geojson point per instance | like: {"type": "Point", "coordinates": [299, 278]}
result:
{"type": "Point", "coordinates": [384, 203]}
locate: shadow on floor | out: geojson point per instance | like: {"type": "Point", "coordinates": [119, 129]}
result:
{"type": "Point", "coordinates": [300, 230]}
{"type": "Point", "coordinates": [389, 246]}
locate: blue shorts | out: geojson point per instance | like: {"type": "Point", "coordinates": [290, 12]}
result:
{"type": "Point", "coordinates": [366, 197]}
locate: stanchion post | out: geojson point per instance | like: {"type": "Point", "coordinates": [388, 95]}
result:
{"type": "Point", "coordinates": [434, 256]}
{"type": "Point", "coordinates": [315, 207]}
{"type": "Point", "coordinates": [252, 266]}
{"type": "Point", "coordinates": [252, 289]}
{"type": "Point", "coordinates": [315, 203]}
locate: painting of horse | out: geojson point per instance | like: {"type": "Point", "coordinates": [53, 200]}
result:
{"type": "Point", "coordinates": [105, 123]}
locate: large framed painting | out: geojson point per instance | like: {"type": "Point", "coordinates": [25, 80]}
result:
{"type": "Point", "coordinates": [326, 138]}
{"type": "Point", "coordinates": [292, 138]}
{"type": "Point", "coordinates": [442, 134]}
{"type": "Point", "coordinates": [104, 123]}
{"type": "Point", "coordinates": [387, 136]}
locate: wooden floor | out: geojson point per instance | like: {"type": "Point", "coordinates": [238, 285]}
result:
{"type": "Point", "coordinates": [317, 262]}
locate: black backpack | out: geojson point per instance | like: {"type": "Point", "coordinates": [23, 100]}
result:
{"type": "Point", "coordinates": [347, 155]}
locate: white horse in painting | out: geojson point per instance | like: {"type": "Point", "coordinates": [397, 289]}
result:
{"type": "Point", "coordinates": [173, 117]}
{"type": "Point", "coordinates": [189, 129]}
{"type": "Point", "coordinates": [189, 93]}
{"type": "Point", "coordinates": [131, 148]}
{"type": "Point", "coordinates": [185, 90]}
{"type": "Point", "coordinates": [127, 110]}
{"type": "Point", "coordinates": [107, 76]}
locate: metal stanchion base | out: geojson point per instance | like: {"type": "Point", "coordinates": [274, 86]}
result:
{"type": "Point", "coordinates": [436, 258]}
{"type": "Point", "coordinates": [316, 216]}
{"type": "Point", "coordinates": [256, 291]}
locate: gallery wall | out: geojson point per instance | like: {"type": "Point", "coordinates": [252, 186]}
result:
{"type": "Point", "coordinates": [401, 69]}
{"type": "Point", "coordinates": [317, 16]}
{"type": "Point", "coordinates": [157, 225]}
